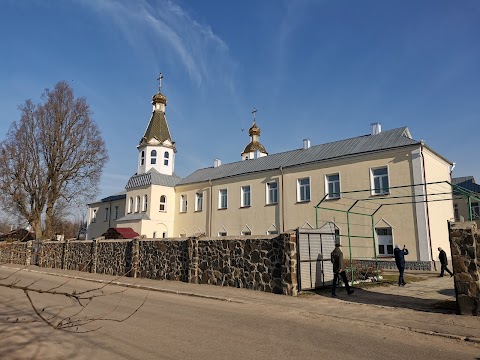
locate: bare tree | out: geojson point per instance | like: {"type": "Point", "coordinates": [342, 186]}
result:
{"type": "Point", "coordinates": [55, 152]}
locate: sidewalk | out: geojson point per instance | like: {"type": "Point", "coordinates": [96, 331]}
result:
{"type": "Point", "coordinates": [408, 307]}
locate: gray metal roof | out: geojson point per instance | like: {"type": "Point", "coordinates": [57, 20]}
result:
{"type": "Point", "coordinates": [152, 177]}
{"type": "Point", "coordinates": [468, 183]}
{"type": "Point", "coordinates": [134, 216]}
{"type": "Point", "coordinates": [388, 139]}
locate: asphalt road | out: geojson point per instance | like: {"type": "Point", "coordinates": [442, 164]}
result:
{"type": "Point", "coordinates": [170, 326]}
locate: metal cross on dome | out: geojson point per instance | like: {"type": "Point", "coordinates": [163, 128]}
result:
{"type": "Point", "coordinates": [160, 77]}
{"type": "Point", "coordinates": [254, 112]}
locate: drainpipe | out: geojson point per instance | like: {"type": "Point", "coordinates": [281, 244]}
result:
{"type": "Point", "coordinates": [283, 207]}
{"type": "Point", "coordinates": [211, 210]}
{"type": "Point", "coordinates": [426, 204]}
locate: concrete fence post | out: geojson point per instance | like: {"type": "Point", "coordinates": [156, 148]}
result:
{"type": "Point", "coordinates": [193, 260]}
{"type": "Point", "coordinates": [93, 268]}
{"type": "Point", "coordinates": [135, 257]}
{"type": "Point", "coordinates": [28, 255]}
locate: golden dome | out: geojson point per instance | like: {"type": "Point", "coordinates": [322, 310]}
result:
{"type": "Point", "coordinates": [159, 98]}
{"type": "Point", "coordinates": [254, 130]}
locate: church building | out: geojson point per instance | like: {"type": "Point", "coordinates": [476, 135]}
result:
{"type": "Point", "coordinates": [386, 175]}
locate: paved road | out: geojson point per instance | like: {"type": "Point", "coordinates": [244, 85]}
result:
{"type": "Point", "coordinates": [170, 326]}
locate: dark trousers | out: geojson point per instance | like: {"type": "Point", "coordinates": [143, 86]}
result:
{"type": "Point", "coordinates": [445, 268]}
{"type": "Point", "coordinates": [401, 270]}
{"type": "Point", "coordinates": [343, 275]}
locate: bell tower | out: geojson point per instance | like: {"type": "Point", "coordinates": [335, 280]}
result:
{"type": "Point", "coordinates": [156, 149]}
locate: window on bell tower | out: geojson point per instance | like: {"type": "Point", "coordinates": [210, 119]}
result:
{"type": "Point", "coordinates": [165, 158]}
{"type": "Point", "coordinates": [142, 158]}
{"type": "Point", "coordinates": [153, 157]}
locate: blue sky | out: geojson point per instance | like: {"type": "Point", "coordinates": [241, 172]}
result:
{"type": "Point", "coordinates": [318, 69]}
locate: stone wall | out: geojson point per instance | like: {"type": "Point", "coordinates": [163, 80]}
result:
{"type": "Point", "coordinates": [260, 263]}
{"type": "Point", "coordinates": [465, 248]}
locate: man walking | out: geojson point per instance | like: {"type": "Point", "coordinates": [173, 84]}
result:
{"type": "Point", "coordinates": [337, 260]}
{"type": "Point", "coordinates": [443, 262]}
{"type": "Point", "coordinates": [400, 261]}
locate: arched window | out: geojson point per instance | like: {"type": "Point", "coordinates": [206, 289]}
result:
{"type": "Point", "coordinates": [163, 203]}
{"type": "Point", "coordinates": [166, 155]}
{"type": "Point", "coordinates": [153, 157]}
{"type": "Point", "coordinates": [145, 202]}
{"type": "Point", "coordinates": [142, 158]}
{"type": "Point", "coordinates": [130, 205]}
{"type": "Point", "coordinates": [137, 204]}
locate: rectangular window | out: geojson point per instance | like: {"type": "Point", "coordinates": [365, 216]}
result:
{"type": "Point", "coordinates": [385, 241]}
{"type": "Point", "coordinates": [153, 161]}
{"type": "Point", "coordinates": [333, 186]}
{"type": "Point", "coordinates": [303, 190]}
{"type": "Point", "coordinates": [272, 232]}
{"type": "Point", "coordinates": [107, 210]}
{"type": "Point", "coordinates": [245, 196]}
{"type": "Point", "coordinates": [222, 199]}
{"type": "Point", "coordinates": [94, 216]}
{"type": "Point", "coordinates": [380, 181]}
{"type": "Point", "coordinates": [199, 202]}
{"type": "Point", "coordinates": [116, 213]}
{"type": "Point", "coordinates": [272, 192]}
{"type": "Point", "coordinates": [455, 211]}
{"type": "Point", "coordinates": [246, 233]}
{"type": "Point", "coordinates": [183, 203]}
{"type": "Point", "coordinates": [475, 210]}
{"type": "Point", "coordinates": [222, 233]}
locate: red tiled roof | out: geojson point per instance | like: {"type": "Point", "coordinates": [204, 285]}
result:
{"type": "Point", "coordinates": [127, 233]}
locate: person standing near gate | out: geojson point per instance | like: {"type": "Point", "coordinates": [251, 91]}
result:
{"type": "Point", "coordinates": [337, 260]}
{"type": "Point", "coordinates": [443, 262]}
{"type": "Point", "coordinates": [400, 261]}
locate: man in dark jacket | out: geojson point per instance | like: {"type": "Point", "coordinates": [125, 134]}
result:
{"type": "Point", "coordinates": [337, 260]}
{"type": "Point", "coordinates": [400, 261]}
{"type": "Point", "coordinates": [443, 262]}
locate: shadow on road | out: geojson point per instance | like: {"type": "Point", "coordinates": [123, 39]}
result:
{"type": "Point", "coordinates": [363, 296]}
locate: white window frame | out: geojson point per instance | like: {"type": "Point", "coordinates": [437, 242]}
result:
{"type": "Point", "coordinates": [223, 198]}
{"type": "Point", "coordinates": [142, 158]}
{"type": "Point", "coordinates": [385, 249]}
{"type": "Point", "coordinates": [166, 156]}
{"type": "Point", "coordinates": [183, 203]}
{"type": "Point", "coordinates": [303, 190]}
{"type": "Point", "coordinates": [107, 213]}
{"type": "Point", "coordinates": [380, 190]}
{"type": "Point", "coordinates": [137, 204]}
{"type": "Point", "coordinates": [130, 205]}
{"type": "Point", "coordinates": [199, 201]}
{"type": "Point", "coordinates": [153, 157]}
{"type": "Point", "coordinates": [94, 215]}
{"type": "Point", "coordinates": [163, 203]}
{"type": "Point", "coordinates": [223, 233]}
{"type": "Point", "coordinates": [271, 193]}
{"type": "Point", "coordinates": [145, 203]}
{"type": "Point", "coordinates": [245, 196]}
{"type": "Point", "coordinates": [116, 213]}
{"type": "Point", "coordinates": [335, 184]}
{"type": "Point", "coordinates": [475, 206]}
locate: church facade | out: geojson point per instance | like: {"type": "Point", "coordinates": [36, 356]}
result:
{"type": "Point", "coordinates": [386, 181]}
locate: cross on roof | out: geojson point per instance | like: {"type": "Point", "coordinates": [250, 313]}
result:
{"type": "Point", "coordinates": [254, 112]}
{"type": "Point", "coordinates": [160, 77]}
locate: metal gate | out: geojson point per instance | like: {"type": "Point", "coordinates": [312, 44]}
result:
{"type": "Point", "coordinates": [315, 269]}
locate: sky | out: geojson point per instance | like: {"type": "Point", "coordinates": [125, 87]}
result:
{"type": "Point", "coordinates": [323, 70]}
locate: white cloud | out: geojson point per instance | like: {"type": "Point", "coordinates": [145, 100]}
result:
{"type": "Point", "coordinates": [165, 28]}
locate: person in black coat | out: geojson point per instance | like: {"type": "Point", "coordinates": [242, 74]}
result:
{"type": "Point", "coordinates": [400, 261]}
{"type": "Point", "coordinates": [338, 271]}
{"type": "Point", "coordinates": [443, 262]}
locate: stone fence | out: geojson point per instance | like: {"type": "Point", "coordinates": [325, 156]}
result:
{"type": "Point", "coordinates": [465, 247]}
{"type": "Point", "coordinates": [265, 263]}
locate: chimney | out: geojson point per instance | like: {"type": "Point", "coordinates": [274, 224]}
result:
{"type": "Point", "coordinates": [306, 144]}
{"type": "Point", "coordinates": [376, 128]}
{"type": "Point", "coordinates": [217, 162]}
